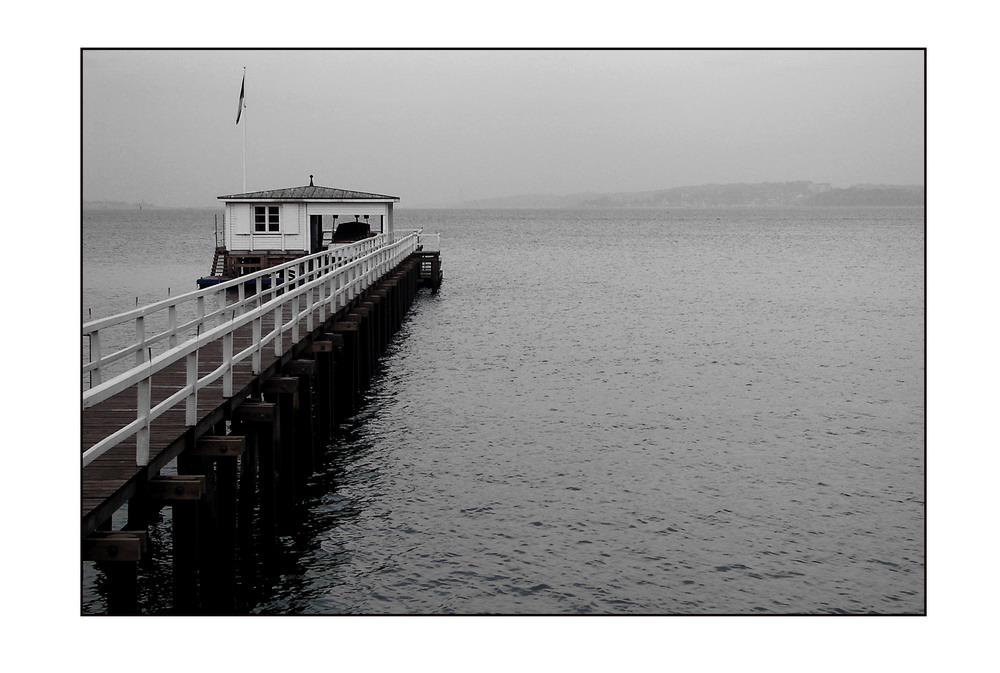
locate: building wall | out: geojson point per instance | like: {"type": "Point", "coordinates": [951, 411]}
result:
{"type": "Point", "coordinates": [294, 223]}
{"type": "Point", "coordinates": [292, 235]}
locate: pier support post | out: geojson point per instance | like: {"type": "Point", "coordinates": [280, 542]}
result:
{"type": "Point", "coordinates": [190, 463]}
{"type": "Point", "coordinates": [123, 587]}
{"type": "Point", "coordinates": [392, 287]}
{"type": "Point", "coordinates": [360, 316]}
{"type": "Point", "coordinates": [307, 442]}
{"type": "Point", "coordinates": [283, 391]}
{"type": "Point", "coordinates": [375, 327]}
{"type": "Point", "coordinates": [219, 578]}
{"type": "Point", "coordinates": [385, 325]}
{"type": "Point", "coordinates": [182, 493]}
{"type": "Point", "coordinates": [139, 510]}
{"type": "Point", "coordinates": [322, 351]}
{"type": "Point", "coordinates": [347, 371]}
{"type": "Point", "coordinates": [247, 485]}
{"type": "Point", "coordinates": [116, 554]}
{"type": "Point", "coordinates": [257, 421]}
{"type": "Point", "coordinates": [436, 274]}
{"type": "Point", "coordinates": [414, 275]}
{"type": "Point", "coordinates": [336, 371]}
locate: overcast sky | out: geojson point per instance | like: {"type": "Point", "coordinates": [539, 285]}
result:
{"type": "Point", "coordinates": [438, 127]}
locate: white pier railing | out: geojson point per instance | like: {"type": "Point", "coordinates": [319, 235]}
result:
{"type": "Point", "coordinates": [178, 327]}
{"type": "Point", "coordinates": [429, 242]}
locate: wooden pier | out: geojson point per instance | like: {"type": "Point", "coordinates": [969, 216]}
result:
{"type": "Point", "coordinates": [226, 412]}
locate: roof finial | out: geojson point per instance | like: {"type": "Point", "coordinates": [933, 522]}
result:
{"type": "Point", "coordinates": [310, 181]}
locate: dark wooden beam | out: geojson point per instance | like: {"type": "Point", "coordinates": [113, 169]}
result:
{"type": "Point", "coordinates": [300, 368]}
{"type": "Point", "coordinates": [280, 385]}
{"type": "Point", "coordinates": [254, 412]}
{"type": "Point", "coordinates": [215, 447]}
{"type": "Point", "coordinates": [117, 545]}
{"type": "Point", "coordinates": [322, 346]}
{"type": "Point", "coordinates": [178, 488]}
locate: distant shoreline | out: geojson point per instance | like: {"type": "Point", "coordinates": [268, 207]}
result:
{"type": "Point", "coordinates": [801, 193]}
{"type": "Point", "coordinates": [117, 205]}
{"type": "Point", "coordinates": [403, 207]}
{"type": "Point", "coordinates": [741, 195]}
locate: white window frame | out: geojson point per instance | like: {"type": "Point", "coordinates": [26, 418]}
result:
{"type": "Point", "coordinates": [272, 218]}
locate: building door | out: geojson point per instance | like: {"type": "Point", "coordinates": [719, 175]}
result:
{"type": "Point", "coordinates": [315, 232]}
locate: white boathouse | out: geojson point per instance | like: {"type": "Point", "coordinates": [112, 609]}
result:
{"type": "Point", "coordinates": [269, 227]}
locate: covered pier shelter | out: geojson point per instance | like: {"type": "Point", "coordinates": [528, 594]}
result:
{"type": "Point", "coordinates": [265, 228]}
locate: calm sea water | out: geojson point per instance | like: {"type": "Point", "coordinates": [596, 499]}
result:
{"type": "Point", "coordinates": [612, 412]}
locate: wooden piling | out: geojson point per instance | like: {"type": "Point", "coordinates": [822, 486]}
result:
{"type": "Point", "coordinates": [192, 463]}
{"type": "Point", "coordinates": [322, 351]}
{"type": "Point", "coordinates": [262, 419]}
{"type": "Point", "coordinates": [123, 587]}
{"type": "Point", "coordinates": [385, 325]}
{"type": "Point", "coordinates": [284, 392]}
{"type": "Point", "coordinates": [347, 387]}
{"type": "Point", "coordinates": [117, 554]}
{"type": "Point", "coordinates": [359, 316]}
{"type": "Point", "coordinates": [138, 510]}
{"type": "Point", "coordinates": [306, 445]}
{"type": "Point", "coordinates": [392, 286]}
{"type": "Point", "coordinates": [182, 494]}
{"type": "Point", "coordinates": [219, 569]}
{"type": "Point", "coordinates": [374, 321]}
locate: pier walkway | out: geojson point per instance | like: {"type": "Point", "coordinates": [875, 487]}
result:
{"type": "Point", "coordinates": [239, 385]}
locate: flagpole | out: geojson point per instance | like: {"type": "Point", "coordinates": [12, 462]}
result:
{"type": "Point", "coordinates": [244, 134]}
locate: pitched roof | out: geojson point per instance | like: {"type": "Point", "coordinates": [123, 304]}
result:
{"type": "Point", "coordinates": [310, 192]}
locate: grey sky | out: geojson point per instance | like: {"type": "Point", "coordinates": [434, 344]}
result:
{"type": "Point", "coordinates": [437, 127]}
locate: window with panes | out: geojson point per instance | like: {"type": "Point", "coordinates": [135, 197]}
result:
{"type": "Point", "coordinates": [265, 218]}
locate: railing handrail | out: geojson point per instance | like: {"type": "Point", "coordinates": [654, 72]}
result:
{"type": "Point", "coordinates": [123, 381]}
{"type": "Point", "coordinates": [351, 278]}
{"type": "Point", "coordinates": [150, 309]}
{"type": "Point", "coordinates": [346, 252]}
{"type": "Point", "coordinates": [432, 240]}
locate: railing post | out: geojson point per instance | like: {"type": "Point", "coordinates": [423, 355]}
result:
{"type": "Point", "coordinates": [200, 313]}
{"type": "Point", "coordinates": [256, 357]}
{"type": "Point", "coordinates": [227, 358]}
{"type": "Point", "coordinates": [278, 328]}
{"type": "Point", "coordinates": [323, 289]}
{"type": "Point", "coordinates": [172, 324]}
{"type": "Point", "coordinates": [311, 305]}
{"type": "Point", "coordinates": [333, 284]}
{"type": "Point", "coordinates": [143, 394]}
{"type": "Point", "coordinates": [140, 339]}
{"type": "Point", "coordinates": [220, 300]}
{"type": "Point", "coordinates": [191, 403]}
{"type": "Point", "coordinates": [324, 293]}
{"type": "Point", "coordinates": [95, 348]}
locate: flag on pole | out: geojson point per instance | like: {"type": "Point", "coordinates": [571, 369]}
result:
{"type": "Point", "coordinates": [242, 85]}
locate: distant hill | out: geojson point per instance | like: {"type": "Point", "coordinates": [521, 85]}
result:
{"type": "Point", "coordinates": [800, 193]}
